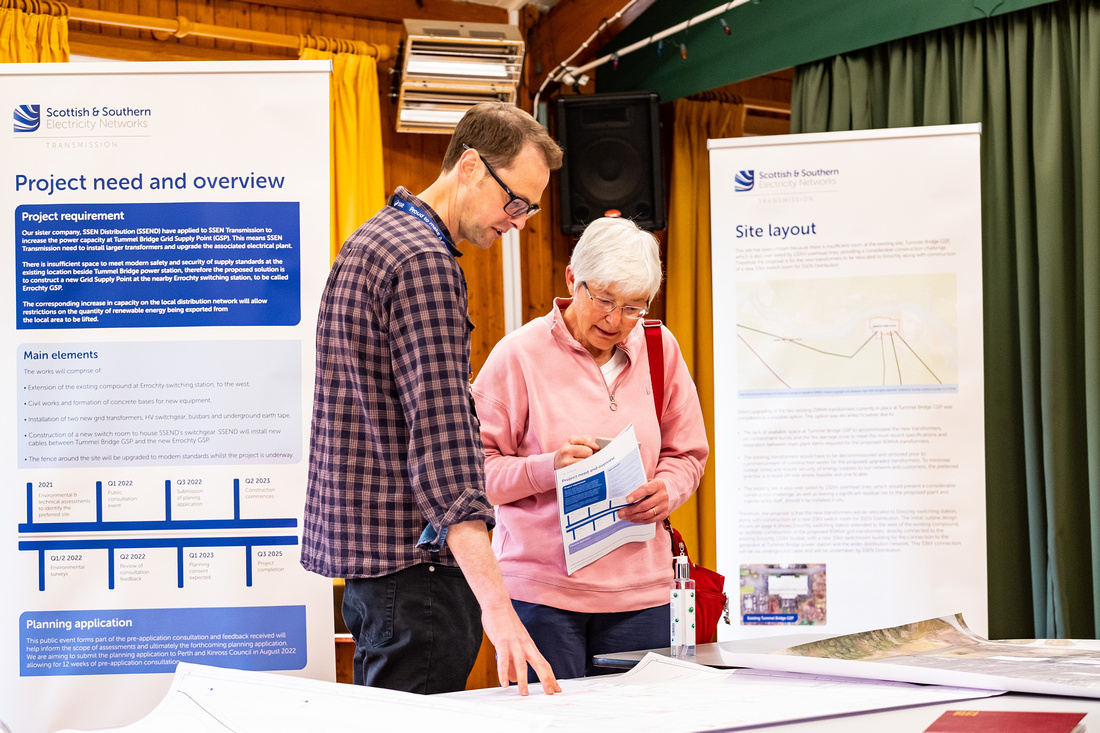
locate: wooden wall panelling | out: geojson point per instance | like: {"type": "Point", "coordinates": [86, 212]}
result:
{"type": "Point", "coordinates": [200, 11]}
{"type": "Point", "coordinates": [536, 239]}
{"type": "Point", "coordinates": [92, 39]}
{"type": "Point", "coordinates": [131, 7]}
{"type": "Point", "coordinates": [88, 27]}
{"type": "Point", "coordinates": [338, 26]}
{"type": "Point", "coordinates": [266, 18]}
{"type": "Point", "coordinates": [160, 9]}
{"type": "Point", "coordinates": [537, 260]}
{"type": "Point", "coordinates": [301, 23]}
{"type": "Point", "coordinates": [397, 10]}
{"type": "Point", "coordinates": [485, 281]}
{"type": "Point", "coordinates": [143, 7]}
{"type": "Point", "coordinates": [167, 8]}
{"type": "Point", "coordinates": [233, 15]}
{"type": "Point", "coordinates": [148, 49]}
{"type": "Point", "coordinates": [173, 9]}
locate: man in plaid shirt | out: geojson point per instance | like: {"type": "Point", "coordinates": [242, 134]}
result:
{"type": "Point", "coordinates": [396, 497]}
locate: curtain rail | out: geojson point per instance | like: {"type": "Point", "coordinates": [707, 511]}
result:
{"type": "Point", "coordinates": [180, 27]}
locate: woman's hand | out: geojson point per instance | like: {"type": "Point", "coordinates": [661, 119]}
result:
{"type": "Point", "coordinates": [648, 504]}
{"type": "Point", "coordinates": [577, 448]}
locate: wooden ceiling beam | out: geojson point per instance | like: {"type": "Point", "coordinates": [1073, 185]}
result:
{"type": "Point", "coordinates": [394, 11]}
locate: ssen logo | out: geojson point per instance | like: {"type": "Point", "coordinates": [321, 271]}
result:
{"type": "Point", "coordinates": [744, 180]}
{"type": "Point", "coordinates": [27, 118]}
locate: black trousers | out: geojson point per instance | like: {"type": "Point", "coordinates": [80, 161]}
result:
{"type": "Point", "coordinates": [417, 630]}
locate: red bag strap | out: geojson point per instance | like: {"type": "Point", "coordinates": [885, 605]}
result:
{"type": "Point", "coordinates": [679, 547]}
{"type": "Point", "coordinates": [655, 346]}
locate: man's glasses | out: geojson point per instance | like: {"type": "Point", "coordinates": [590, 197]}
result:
{"type": "Point", "coordinates": [630, 312]}
{"type": "Point", "coordinates": [515, 206]}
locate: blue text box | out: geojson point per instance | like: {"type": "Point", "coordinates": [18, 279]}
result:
{"type": "Point", "coordinates": [154, 640]}
{"type": "Point", "coordinates": [584, 492]}
{"type": "Point", "coordinates": [167, 264]}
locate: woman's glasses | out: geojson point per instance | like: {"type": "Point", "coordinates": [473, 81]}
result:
{"type": "Point", "coordinates": [631, 312]}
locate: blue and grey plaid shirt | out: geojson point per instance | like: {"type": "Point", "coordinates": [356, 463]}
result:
{"type": "Point", "coordinates": [394, 444]}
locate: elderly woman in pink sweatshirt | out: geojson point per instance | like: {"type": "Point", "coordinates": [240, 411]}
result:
{"type": "Point", "coordinates": [545, 393]}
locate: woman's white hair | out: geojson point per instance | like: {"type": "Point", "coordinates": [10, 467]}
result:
{"type": "Point", "coordinates": [617, 252]}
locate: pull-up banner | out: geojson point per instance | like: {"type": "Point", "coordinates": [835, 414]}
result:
{"type": "Point", "coordinates": [849, 441]}
{"type": "Point", "coordinates": [165, 248]}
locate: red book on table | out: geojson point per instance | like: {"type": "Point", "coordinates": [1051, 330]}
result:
{"type": "Point", "coordinates": [1005, 721]}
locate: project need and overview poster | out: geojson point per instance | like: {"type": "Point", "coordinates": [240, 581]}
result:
{"type": "Point", "coordinates": [164, 251]}
{"type": "Point", "coordinates": [849, 434]}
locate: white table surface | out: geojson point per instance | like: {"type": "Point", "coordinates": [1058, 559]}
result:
{"type": "Point", "coordinates": [906, 720]}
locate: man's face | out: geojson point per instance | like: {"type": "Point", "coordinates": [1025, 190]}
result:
{"type": "Point", "coordinates": [482, 219]}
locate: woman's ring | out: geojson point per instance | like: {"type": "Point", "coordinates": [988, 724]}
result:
{"type": "Point", "coordinates": [654, 511]}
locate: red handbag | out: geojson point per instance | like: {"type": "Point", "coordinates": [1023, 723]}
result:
{"type": "Point", "coordinates": [712, 602]}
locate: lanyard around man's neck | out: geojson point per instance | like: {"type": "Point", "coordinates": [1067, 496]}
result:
{"type": "Point", "coordinates": [410, 208]}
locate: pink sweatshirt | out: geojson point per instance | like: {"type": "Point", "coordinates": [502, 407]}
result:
{"type": "Point", "coordinates": [539, 387]}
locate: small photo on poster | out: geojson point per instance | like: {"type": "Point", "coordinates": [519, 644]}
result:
{"type": "Point", "coordinates": [783, 595]}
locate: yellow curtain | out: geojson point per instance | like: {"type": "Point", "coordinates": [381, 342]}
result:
{"type": "Point", "coordinates": [30, 38]}
{"type": "Point", "coordinates": [355, 144]}
{"type": "Point", "coordinates": [688, 305]}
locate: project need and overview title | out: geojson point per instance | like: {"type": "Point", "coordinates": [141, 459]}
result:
{"type": "Point", "coordinates": [52, 183]}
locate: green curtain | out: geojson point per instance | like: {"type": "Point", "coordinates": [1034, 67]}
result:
{"type": "Point", "coordinates": [1032, 79]}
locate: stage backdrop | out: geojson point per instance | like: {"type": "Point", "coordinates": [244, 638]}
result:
{"type": "Point", "coordinates": [166, 245]}
{"type": "Point", "coordinates": [849, 443]}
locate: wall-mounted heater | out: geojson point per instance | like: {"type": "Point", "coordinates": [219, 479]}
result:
{"type": "Point", "coordinates": [446, 67]}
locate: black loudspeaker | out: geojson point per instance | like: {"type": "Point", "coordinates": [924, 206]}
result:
{"type": "Point", "coordinates": [612, 162]}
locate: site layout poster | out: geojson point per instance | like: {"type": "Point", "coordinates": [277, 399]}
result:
{"type": "Point", "coordinates": [165, 248]}
{"type": "Point", "coordinates": [849, 432]}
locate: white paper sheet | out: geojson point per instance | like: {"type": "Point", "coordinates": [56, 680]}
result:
{"type": "Point", "coordinates": [204, 698]}
{"type": "Point", "coordinates": [672, 695]}
{"type": "Point", "coordinates": [590, 495]}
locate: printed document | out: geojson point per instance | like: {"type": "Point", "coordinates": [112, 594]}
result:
{"type": "Point", "coordinates": [677, 696]}
{"type": "Point", "coordinates": [591, 493]}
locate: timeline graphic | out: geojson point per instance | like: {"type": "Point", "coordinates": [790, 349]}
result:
{"type": "Point", "coordinates": [597, 522]}
{"type": "Point", "coordinates": [77, 542]}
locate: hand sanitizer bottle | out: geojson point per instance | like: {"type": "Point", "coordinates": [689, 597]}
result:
{"type": "Point", "coordinates": [682, 608]}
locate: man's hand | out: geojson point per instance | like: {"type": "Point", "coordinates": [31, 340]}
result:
{"type": "Point", "coordinates": [469, 541]}
{"type": "Point", "coordinates": [515, 650]}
